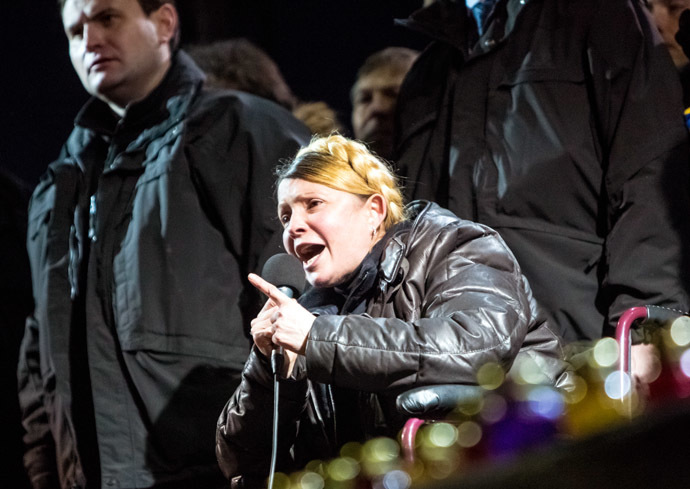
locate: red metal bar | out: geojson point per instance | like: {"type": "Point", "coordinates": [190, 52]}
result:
{"type": "Point", "coordinates": [623, 327]}
{"type": "Point", "coordinates": [408, 435]}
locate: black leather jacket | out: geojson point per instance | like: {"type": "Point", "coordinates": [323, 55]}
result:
{"type": "Point", "coordinates": [449, 298]}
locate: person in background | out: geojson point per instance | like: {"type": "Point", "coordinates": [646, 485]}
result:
{"type": "Point", "coordinates": [666, 14]}
{"type": "Point", "coordinates": [401, 296]}
{"type": "Point", "coordinates": [582, 167]}
{"type": "Point", "coordinates": [241, 65]}
{"type": "Point", "coordinates": [374, 96]}
{"type": "Point", "coordinates": [140, 238]}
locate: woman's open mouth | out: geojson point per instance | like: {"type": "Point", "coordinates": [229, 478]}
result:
{"type": "Point", "coordinates": [308, 253]}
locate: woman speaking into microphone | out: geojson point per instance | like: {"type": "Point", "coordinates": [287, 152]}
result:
{"type": "Point", "coordinates": [400, 297]}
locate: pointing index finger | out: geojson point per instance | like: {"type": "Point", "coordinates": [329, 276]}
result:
{"type": "Point", "coordinates": [268, 289]}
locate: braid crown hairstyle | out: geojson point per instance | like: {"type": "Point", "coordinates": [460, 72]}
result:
{"type": "Point", "coordinates": [347, 165]}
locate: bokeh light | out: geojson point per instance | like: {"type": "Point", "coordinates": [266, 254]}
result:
{"type": "Point", "coordinates": [397, 479]}
{"type": "Point", "coordinates": [281, 481]}
{"type": "Point", "coordinates": [528, 372]}
{"type": "Point", "coordinates": [469, 434]}
{"type": "Point", "coordinates": [343, 469]}
{"type": "Point", "coordinates": [545, 402]}
{"type": "Point", "coordinates": [351, 449]}
{"type": "Point", "coordinates": [617, 385]}
{"type": "Point", "coordinates": [311, 480]}
{"type": "Point", "coordinates": [606, 352]}
{"type": "Point", "coordinates": [381, 450]}
{"type": "Point", "coordinates": [680, 331]}
{"type": "Point", "coordinates": [495, 408]}
{"type": "Point", "coordinates": [490, 376]}
{"type": "Point", "coordinates": [379, 456]}
{"type": "Point", "coordinates": [443, 434]}
{"type": "Point", "coordinates": [685, 363]}
{"type": "Point", "coordinates": [316, 465]}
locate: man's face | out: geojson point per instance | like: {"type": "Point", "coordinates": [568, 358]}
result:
{"type": "Point", "coordinates": [666, 14]}
{"type": "Point", "coordinates": [373, 109]}
{"type": "Point", "coordinates": [119, 53]}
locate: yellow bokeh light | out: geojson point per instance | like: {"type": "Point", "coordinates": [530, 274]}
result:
{"type": "Point", "coordinates": [680, 331]}
{"type": "Point", "coordinates": [443, 434]}
{"type": "Point", "coordinates": [529, 372]}
{"type": "Point", "coordinates": [606, 352]}
{"type": "Point", "coordinates": [351, 449]}
{"type": "Point", "coordinates": [490, 376]}
{"type": "Point", "coordinates": [281, 481]}
{"type": "Point", "coordinates": [469, 434]}
{"type": "Point", "coordinates": [381, 450]}
{"type": "Point", "coordinates": [311, 480]}
{"type": "Point", "coordinates": [342, 469]}
{"type": "Point", "coordinates": [315, 466]}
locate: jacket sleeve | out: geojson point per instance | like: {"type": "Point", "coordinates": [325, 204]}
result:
{"type": "Point", "coordinates": [463, 303]}
{"type": "Point", "coordinates": [39, 456]}
{"type": "Point", "coordinates": [645, 145]}
{"type": "Point", "coordinates": [244, 428]}
{"type": "Point", "coordinates": [235, 180]}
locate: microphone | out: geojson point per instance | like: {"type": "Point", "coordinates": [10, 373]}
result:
{"type": "Point", "coordinates": [286, 273]}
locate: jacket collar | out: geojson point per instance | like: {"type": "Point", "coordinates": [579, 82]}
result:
{"type": "Point", "coordinates": [393, 266]}
{"type": "Point", "coordinates": [145, 120]}
{"type": "Point", "coordinates": [448, 21]}
{"type": "Point", "coordinates": [182, 78]}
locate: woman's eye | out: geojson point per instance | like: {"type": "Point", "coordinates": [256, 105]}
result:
{"type": "Point", "coordinates": [314, 203]}
{"type": "Point", "coordinates": [285, 219]}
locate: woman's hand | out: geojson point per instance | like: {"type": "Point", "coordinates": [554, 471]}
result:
{"type": "Point", "coordinates": [281, 322]}
{"type": "Point", "coordinates": [262, 328]}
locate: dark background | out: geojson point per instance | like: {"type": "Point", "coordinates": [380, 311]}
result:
{"type": "Point", "coordinates": [318, 45]}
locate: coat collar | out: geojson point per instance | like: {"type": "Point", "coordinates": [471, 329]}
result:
{"type": "Point", "coordinates": [394, 266]}
{"type": "Point", "coordinates": [448, 21]}
{"type": "Point", "coordinates": [143, 121]}
{"type": "Point", "coordinates": [182, 77]}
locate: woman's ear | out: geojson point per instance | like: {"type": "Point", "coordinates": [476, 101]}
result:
{"type": "Point", "coordinates": [378, 208]}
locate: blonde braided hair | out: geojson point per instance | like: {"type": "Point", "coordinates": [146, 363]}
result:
{"type": "Point", "coordinates": [347, 165]}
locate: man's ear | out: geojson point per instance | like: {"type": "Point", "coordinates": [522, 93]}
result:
{"type": "Point", "coordinates": [166, 21]}
{"type": "Point", "coordinates": [378, 208]}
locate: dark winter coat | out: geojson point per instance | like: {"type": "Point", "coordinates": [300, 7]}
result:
{"type": "Point", "coordinates": [179, 215]}
{"type": "Point", "coordinates": [561, 127]}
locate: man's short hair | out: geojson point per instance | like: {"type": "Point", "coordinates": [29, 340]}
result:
{"type": "Point", "coordinates": [396, 59]}
{"type": "Point", "coordinates": [149, 6]}
{"type": "Point", "coordinates": [241, 65]}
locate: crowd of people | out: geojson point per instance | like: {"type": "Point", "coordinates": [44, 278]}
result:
{"type": "Point", "coordinates": [509, 191]}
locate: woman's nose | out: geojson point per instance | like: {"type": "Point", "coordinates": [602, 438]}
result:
{"type": "Point", "coordinates": [297, 224]}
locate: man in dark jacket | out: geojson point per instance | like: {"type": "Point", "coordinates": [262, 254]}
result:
{"type": "Point", "coordinates": [140, 238]}
{"type": "Point", "coordinates": [560, 127]}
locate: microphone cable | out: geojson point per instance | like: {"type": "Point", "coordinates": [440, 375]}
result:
{"type": "Point", "coordinates": [286, 273]}
{"type": "Point", "coordinates": [276, 364]}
